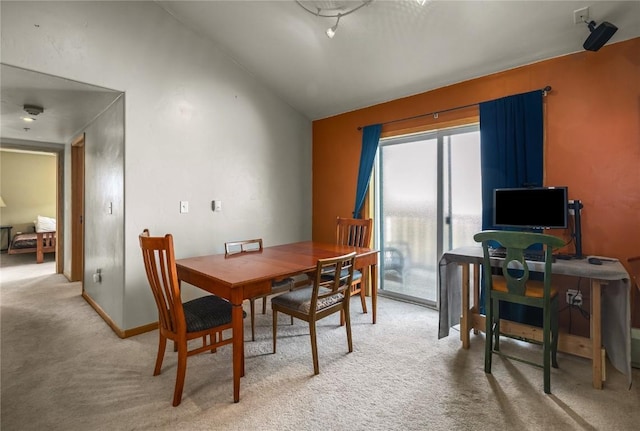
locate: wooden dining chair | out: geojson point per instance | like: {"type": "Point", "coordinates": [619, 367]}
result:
{"type": "Point", "coordinates": [516, 286]}
{"type": "Point", "coordinates": [325, 296]}
{"type": "Point", "coordinates": [356, 233]}
{"type": "Point", "coordinates": [277, 286]}
{"type": "Point", "coordinates": [203, 318]}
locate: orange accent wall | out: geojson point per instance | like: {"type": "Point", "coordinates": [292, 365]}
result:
{"type": "Point", "coordinates": [592, 140]}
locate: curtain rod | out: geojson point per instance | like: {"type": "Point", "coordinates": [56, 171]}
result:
{"type": "Point", "coordinates": [545, 90]}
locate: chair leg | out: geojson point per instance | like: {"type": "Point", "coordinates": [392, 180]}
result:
{"type": "Point", "coordinates": [314, 347]}
{"type": "Point", "coordinates": [363, 300]}
{"type": "Point", "coordinates": [496, 325]}
{"type": "Point", "coordinates": [488, 341]}
{"type": "Point", "coordinates": [180, 372]}
{"type": "Point", "coordinates": [554, 333]}
{"type": "Point", "coordinates": [213, 338]}
{"type": "Point", "coordinates": [347, 318]}
{"type": "Point", "coordinates": [546, 348]}
{"type": "Point", "coordinates": [252, 304]}
{"type": "Point", "coordinates": [162, 345]}
{"type": "Point", "coordinates": [264, 305]}
{"type": "Point", "coordinates": [275, 328]}
{"type": "Point", "coordinates": [363, 284]}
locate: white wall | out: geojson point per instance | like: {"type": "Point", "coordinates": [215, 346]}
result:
{"type": "Point", "coordinates": [197, 128]}
{"type": "Point", "coordinates": [104, 211]}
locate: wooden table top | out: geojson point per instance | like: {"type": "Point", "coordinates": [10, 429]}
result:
{"type": "Point", "coordinates": [271, 263]}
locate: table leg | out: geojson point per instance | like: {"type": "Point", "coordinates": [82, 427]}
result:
{"type": "Point", "coordinates": [374, 290]}
{"type": "Point", "coordinates": [464, 319]}
{"type": "Point", "coordinates": [238, 342]}
{"type": "Point", "coordinates": [596, 334]}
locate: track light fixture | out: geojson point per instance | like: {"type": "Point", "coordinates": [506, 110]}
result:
{"type": "Point", "coordinates": [331, 31]}
{"type": "Point", "coordinates": [332, 9]}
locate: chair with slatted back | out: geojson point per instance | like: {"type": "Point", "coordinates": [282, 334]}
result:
{"type": "Point", "coordinates": [515, 285]}
{"type": "Point", "coordinates": [207, 317]}
{"type": "Point", "coordinates": [356, 233]}
{"type": "Point", "coordinates": [277, 286]}
{"type": "Point", "coordinates": [324, 297]}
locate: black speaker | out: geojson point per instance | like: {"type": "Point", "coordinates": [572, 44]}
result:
{"type": "Point", "coordinates": [599, 35]}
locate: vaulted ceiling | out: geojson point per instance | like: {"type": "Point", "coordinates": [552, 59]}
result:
{"type": "Point", "coordinates": [391, 48]}
{"type": "Point", "coordinates": [386, 50]}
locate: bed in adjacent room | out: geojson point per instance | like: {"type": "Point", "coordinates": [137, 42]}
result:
{"type": "Point", "coordinates": [42, 241]}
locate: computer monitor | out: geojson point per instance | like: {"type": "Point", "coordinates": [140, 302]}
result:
{"type": "Point", "coordinates": [532, 208]}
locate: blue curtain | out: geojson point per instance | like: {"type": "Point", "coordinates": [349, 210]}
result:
{"type": "Point", "coordinates": [511, 155]}
{"type": "Point", "coordinates": [511, 146]}
{"type": "Point", "coordinates": [370, 138]}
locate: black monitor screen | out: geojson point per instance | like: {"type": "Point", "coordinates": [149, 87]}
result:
{"type": "Point", "coordinates": [538, 207]}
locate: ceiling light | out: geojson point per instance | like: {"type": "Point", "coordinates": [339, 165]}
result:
{"type": "Point", "coordinates": [331, 31]}
{"type": "Point", "coordinates": [331, 9]}
{"type": "Point", "coordinates": [33, 109]}
{"type": "Point", "coordinates": [28, 119]}
{"type": "Point", "coordinates": [421, 2]}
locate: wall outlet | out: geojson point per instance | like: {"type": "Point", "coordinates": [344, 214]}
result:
{"type": "Point", "coordinates": [574, 297]}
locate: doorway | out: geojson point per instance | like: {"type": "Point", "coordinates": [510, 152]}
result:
{"type": "Point", "coordinates": [70, 107]}
{"type": "Point", "coordinates": [428, 201]}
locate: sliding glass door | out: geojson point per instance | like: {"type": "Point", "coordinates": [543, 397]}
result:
{"type": "Point", "coordinates": [428, 200]}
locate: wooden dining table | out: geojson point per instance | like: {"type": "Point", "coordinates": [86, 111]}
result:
{"type": "Point", "coordinates": [245, 275]}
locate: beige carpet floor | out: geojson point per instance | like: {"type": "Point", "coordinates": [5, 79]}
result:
{"type": "Point", "coordinates": [62, 368]}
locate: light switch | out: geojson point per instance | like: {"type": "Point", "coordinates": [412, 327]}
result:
{"type": "Point", "coordinates": [184, 207]}
{"type": "Point", "coordinates": [216, 206]}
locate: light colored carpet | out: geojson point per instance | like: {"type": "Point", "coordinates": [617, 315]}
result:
{"type": "Point", "coordinates": [64, 369]}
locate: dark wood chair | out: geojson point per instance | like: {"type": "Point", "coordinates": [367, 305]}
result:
{"type": "Point", "coordinates": [356, 233]}
{"type": "Point", "coordinates": [516, 286]}
{"type": "Point", "coordinates": [325, 296]}
{"type": "Point", "coordinates": [277, 286]}
{"type": "Point", "coordinates": [203, 318]}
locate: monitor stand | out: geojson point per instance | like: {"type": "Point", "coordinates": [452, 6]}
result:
{"type": "Point", "coordinates": [576, 206]}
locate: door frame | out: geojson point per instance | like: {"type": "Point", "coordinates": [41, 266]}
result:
{"type": "Point", "coordinates": [77, 209]}
{"type": "Point", "coordinates": [442, 219]}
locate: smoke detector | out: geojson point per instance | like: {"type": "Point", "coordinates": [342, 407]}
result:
{"type": "Point", "coordinates": [33, 109]}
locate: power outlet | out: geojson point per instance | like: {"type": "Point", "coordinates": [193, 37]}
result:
{"type": "Point", "coordinates": [574, 297]}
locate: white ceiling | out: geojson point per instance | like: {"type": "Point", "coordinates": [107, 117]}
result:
{"type": "Point", "coordinates": [384, 51]}
{"type": "Point", "coordinates": [69, 106]}
{"type": "Point", "coordinates": [391, 49]}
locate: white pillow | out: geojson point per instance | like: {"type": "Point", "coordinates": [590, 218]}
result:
{"type": "Point", "coordinates": [45, 224]}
